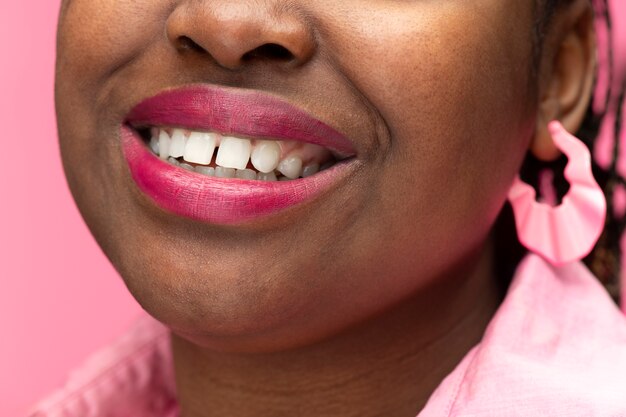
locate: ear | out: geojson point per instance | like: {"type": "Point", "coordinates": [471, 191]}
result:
{"type": "Point", "coordinates": [566, 74]}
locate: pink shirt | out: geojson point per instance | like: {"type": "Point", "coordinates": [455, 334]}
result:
{"type": "Point", "coordinates": [555, 347]}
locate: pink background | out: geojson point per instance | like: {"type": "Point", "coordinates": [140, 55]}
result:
{"type": "Point", "coordinates": [59, 297]}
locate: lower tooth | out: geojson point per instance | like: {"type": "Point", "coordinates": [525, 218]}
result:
{"type": "Point", "coordinates": [310, 170]}
{"type": "Point", "coordinates": [210, 171]}
{"type": "Point", "coordinates": [290, 167]}
{"type": "Point", "coordinates": [186, 166]}
{"type": "Point", "coordinates": [222, 172]}
{"type": "Point", "coordinates": [270, 176]}
{"type": "Point", "coordinates": [246, 174]}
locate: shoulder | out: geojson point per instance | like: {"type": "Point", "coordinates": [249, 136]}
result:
{"type": "Point", "coordinates": [131, 376]}
{"type": "Point", "coordinates": [555, 347]}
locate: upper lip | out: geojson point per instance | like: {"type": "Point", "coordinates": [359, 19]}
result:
{"type": "Point", "coordinates": [244, 113]}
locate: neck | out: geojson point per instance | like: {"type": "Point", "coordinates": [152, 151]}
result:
{"type": "Point", "coordinates": [388, 365]}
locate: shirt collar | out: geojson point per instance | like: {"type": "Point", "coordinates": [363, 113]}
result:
{"type": "Point", "coordinates": [556, 346]}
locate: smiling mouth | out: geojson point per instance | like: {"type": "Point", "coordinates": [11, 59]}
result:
{"type": "Point", "coordinates": [228, 156]}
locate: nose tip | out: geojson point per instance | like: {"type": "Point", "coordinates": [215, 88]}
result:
{"type": "Point", "coordinates": [235, 33]}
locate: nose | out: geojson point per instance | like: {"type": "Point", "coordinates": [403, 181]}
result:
{"type": "Point", "coordinates": [236, 32]}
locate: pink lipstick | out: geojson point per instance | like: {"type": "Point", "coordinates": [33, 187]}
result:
{"type": "Point", "coordinates": [227, 111]}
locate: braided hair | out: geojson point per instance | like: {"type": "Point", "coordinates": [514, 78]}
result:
{"type": "Point", "coordinates": [607, 259]}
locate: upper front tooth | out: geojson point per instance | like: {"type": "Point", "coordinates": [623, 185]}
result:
{"type": "Point", "coordinates": [265, 156]}
{"type": "Point", "coordinates": [233, 152]}
{"type": "Point", "coordinates": [154, 145]}
{"type": "Point", "coordinates": [164, 144]}
{"type": "Point", "coordinates": [177, 148]}
{"type": "Point", "coordinates": [199, 148]}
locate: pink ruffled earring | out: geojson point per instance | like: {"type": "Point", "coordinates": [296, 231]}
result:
{"type": "Point", "coordinates": [569, 231]}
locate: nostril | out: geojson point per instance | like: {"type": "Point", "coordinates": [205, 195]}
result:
{"type": "Point", "coordinates": [270, 51]}
{"type": "Point", "coordinates": [186, 43]}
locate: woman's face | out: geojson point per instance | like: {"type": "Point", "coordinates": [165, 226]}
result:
{"type": "Point", "coordinates": [437, 98]}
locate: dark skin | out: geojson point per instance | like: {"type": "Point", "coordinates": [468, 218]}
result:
{"type": "Point", "coordinates": [361, 302]}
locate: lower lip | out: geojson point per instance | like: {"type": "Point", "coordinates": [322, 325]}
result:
{"type": "Point", "coordinates": [219, 200]}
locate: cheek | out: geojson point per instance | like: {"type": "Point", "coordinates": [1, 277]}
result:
{"type": "Point", "coordinates": [451, 85]}
{"type": "Point", "coordinates": [96, 42]}
{"type": "Point", "coordinates": [95, 38]}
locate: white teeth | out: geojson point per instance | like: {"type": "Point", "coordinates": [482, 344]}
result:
{"type": "Point", "coordinates": [154, 144]}
{"type": "Point", "coordinates": [290, 167]}
{"type": "Point", "coordinates": [310, 170]}
{"type": "Point", "coordinates": [270, 176]}
{"type": "Point", "coordinates": [210, 171]}
{"type": "Point", "coordinates": [199, 148]}
{"type": "Point", "coordinates": [177, 148]}
{"type": "Point", "coordinates": [246, 174]}
{"type": "Point", "coordinates": [265, 156]}
{"type": "Point", "coordinates": [222, 172]}
{"type": "Point", "coordinates": [233, 152]}
{"type": "Point", "coordinates": [186, 166]}
{"type": "Point", "coordinates": [164, 144]}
